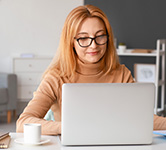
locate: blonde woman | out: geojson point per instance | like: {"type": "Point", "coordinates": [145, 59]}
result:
{"type": "Point", "coordinates": [86, 54]}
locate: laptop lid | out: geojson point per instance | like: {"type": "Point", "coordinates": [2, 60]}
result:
{"type": "Point", "coordinates": [107, 113]}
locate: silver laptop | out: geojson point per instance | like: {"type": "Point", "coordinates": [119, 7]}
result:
{"type": "Point", "coordinates": [107, 113]}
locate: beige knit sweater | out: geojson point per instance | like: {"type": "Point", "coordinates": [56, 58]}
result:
{"type": "Point", "coordinates": [48, 95]}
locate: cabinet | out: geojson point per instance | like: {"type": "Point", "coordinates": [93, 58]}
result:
{"type": "Point", "coordinates": [29, 72]}
{"type": "Point", "coordinates": [159, 55]}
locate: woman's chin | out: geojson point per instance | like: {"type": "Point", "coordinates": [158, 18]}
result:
{"type": "Point", "coordinates": [92, 61]}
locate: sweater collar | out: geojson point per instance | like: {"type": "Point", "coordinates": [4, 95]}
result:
{"type": "Point", "coordinates": [88, 69]}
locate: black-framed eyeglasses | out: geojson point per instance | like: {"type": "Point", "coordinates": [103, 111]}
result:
{"type": "Point", "coordinates": [87, 41]}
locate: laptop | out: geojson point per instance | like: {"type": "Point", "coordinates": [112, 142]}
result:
{"type": "Point", "coordinates": [107, 113]}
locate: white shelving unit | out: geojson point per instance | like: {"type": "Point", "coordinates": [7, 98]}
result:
{"type": "Point", "coordinates": [159, 54]}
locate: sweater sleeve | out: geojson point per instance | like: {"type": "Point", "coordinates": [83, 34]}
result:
{"type": "Point", "coordinates": [36, 109]}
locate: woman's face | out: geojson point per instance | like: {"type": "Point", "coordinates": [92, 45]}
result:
{"type": "Point", "coordinates": [91, 27]}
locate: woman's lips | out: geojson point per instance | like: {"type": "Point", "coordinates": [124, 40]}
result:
{"type": "Point", "coordinates": [93, 53]}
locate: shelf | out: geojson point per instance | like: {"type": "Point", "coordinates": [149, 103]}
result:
{"type": "Point", "coordinates": [128, 52]}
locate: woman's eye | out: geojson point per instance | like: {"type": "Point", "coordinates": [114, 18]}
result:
{"type": "Point", "coordinates": [83, 38]}
{"type": "Point", "coordinates": [101, 35]}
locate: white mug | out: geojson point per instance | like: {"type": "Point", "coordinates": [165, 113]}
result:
{"type": "Point", "coordinates": [32, 133]}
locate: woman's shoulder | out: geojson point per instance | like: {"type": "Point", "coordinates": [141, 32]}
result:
{"type": "Point", "coordinates": [52, 74]}
{"type": "Point", "coordinates": [51, 77]}
{"type": "Point", "coordinates": [125, 74]}
{"type": "Point", "coordinates": [122, 68]}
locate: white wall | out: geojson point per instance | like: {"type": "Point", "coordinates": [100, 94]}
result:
{"type": "Point", "coordinates": [31, 26]}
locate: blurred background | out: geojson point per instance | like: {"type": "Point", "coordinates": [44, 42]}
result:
{"type": "Point", "coordinates": [30, 32]}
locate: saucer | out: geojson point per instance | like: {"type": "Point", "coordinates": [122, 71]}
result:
{"type": "Point", "coordinates": [21, 141]}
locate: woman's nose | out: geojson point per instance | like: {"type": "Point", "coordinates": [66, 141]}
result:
{"type": "Point", "coordinates": [93, 44]}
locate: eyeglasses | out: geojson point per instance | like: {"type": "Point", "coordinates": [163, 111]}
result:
{"type": "Point", "coordinates": [87, 41]}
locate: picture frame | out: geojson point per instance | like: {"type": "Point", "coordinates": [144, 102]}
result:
{"type": "Point", "coordinates": [145, 72]}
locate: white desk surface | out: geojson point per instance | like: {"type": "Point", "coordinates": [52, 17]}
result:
{"type": "Point", "coordinates": [159, 143]}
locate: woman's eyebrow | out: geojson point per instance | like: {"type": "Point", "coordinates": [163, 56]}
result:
{"type": "Point", "coordinates": [100, 31]}
{"type": "Point", "coordinates": [82, 33]}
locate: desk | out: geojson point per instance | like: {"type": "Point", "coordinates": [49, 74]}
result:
{"type": "Point", "coordinates": [159, 143]}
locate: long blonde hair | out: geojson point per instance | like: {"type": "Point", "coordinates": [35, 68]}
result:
{"type": "Point", "coordinates": [65, 59]}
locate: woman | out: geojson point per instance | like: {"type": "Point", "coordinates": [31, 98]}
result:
{"type": "Point", "coordinates": [86, 54]}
